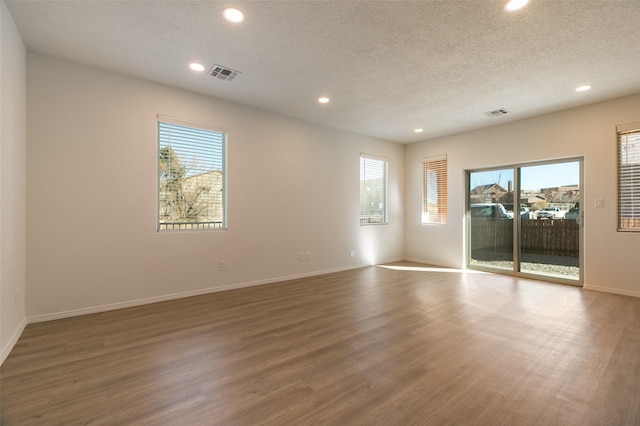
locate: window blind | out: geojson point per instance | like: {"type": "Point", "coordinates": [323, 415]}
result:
{"type": "Point", "coordinates": [373, 190]}
{"type": "Point", "coordinates": [191, 175]}
{"type": "Point", "coordinates": [434, 196]}
{"type": "Point", "coordinates": [629, 177]}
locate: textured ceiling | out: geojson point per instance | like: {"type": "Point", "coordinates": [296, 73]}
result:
{"type": "Point", "coordinates": [388, 66]}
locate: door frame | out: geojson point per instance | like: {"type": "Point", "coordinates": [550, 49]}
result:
{"type": "Point", "coordinates": [517, 219]}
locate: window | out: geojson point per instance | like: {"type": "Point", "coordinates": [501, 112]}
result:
{"type": "Point", "coordinates": [373, 190]}
{"type": "Point", "coordinates": [191, 176]}
{"type": "Point", "coordinates": [434, 195]}
{"type": "Point", "coordinates": [629, 177]}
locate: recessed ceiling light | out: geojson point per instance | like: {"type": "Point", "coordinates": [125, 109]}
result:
{"type": "Point", "coordinates": [515, 5]}
{"type": "Point", "coordinates": [323, 100]}
{"type": "Point", "coordinates": [196, 67]}
{"type": "Point", "coordinates": [232, 14]}
{"type": "Point", "coordinates": [419, 130]}
{"type": "Point", "coordinates": [583, 88]}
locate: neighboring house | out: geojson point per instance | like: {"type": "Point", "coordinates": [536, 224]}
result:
{"type": "Point", "coordinates": [564, 197]}
{"type": "Point", "coordinates": [562, 194]}
{"type": "Point", "coordinates": [535, 201]}
{"type": "Point", "coordinates": [487, 193]}
{"type": "Point", "coordinates": [197, 198]}
{"type": "Point", "coordinates": [208, 187]}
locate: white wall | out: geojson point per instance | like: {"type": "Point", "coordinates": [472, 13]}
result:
{"type": "Point", "coordinates": [610, 257]}
{"type": "Point", "coordinates": [92, 240]}
{"type": "Point", "coordinates": [13, 140]}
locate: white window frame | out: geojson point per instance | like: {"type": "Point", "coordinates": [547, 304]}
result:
{"type": "Point", "coordinates": [203, 157]}
{"type": "Point", "coordinates": [370, 168]}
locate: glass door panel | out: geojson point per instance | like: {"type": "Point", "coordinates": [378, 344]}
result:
{"type": "Point", "coordinates": [550, 231]}
{"type": "Point", "coordinates": [491, 200]}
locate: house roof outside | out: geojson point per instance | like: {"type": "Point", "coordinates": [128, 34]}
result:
{"type": "Point", "coordinates": [488, 188]}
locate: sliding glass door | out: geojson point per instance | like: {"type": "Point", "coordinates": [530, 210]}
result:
{"type": "Point", "coordinates": [526, 219]}
{"type": "Point", "coordinates": [550, 243]}
{"type": "Point", "coordinates": [491, 228]}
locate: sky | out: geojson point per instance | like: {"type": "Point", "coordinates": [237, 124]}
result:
{"type": "Point", "coordinates": [533, 177]}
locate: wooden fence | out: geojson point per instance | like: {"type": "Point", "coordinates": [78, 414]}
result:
{"type": "Point", "coordinates": [558, 237]}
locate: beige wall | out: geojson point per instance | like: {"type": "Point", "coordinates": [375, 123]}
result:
{"type": "Point", "coordinates": [92, 242]}
{"type": "Point", "coordinates": [12, 183]}
{"type": "Point", "coordinates": [589, 132]}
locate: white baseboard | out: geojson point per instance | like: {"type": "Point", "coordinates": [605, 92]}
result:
{"type": "Point", "coordinates": [6, 350]}
{"type": "Point", "coordinates": [181, 295]}
{"type": "Point", "coordinates": [612, 290]}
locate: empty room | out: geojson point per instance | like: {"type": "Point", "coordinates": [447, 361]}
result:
{"type": "Point", "coordinates": [319, 212]}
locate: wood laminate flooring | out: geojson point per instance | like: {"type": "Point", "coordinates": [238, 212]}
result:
{"type": "Point", "coordinates": [372, 346]}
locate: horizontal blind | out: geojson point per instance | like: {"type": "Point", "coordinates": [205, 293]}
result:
{"type": "Point", "coordinates": [191, 176]}
{"type": "Point", "coordinates": [373, 190]}
{"type": "Point", "coordinates": [629, 177]}
{"type": "Point", "coordinates": [434, 201]}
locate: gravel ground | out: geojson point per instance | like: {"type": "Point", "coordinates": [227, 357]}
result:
{"type": "Point", "coordinates": [558, 266]}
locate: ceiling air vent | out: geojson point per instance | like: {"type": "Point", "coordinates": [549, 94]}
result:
{"type": "Point", "coordinates": [223, 73]}
{"type": "Point", "coordinates": [496, 112]}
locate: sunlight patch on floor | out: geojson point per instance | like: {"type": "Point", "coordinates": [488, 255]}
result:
{"type": "Point", "coordinates": [429, 269]}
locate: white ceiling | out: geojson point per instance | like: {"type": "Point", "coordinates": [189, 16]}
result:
{"type": "Point", "coordinates": [388, 66]}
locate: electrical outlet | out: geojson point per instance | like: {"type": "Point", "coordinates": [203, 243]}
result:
{"type": "Point", "coordinates": [307, 256]}
{"type": "Point", "coordinates": [223, 265]}
{"type": "Point", "coordinates": [301, 256]}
